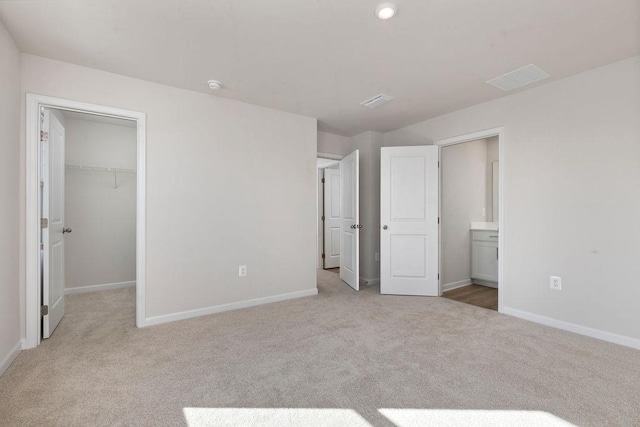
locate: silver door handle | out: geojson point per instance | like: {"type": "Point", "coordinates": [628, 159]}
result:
{"type": "Point", "coordinates": [384, 227]}
{"type": "Point", "coordinates": [66, 230]}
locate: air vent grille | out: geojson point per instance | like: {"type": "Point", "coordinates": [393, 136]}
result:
{"type": "Point", "coordinates": [377, 101]}
{"type": "Point", "coordinates": [518, 78]}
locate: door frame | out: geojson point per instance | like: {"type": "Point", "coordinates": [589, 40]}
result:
{"type": "Point", "coordinates": [488, 133]}
{"type": "Point", "coordinates": [33, 296]}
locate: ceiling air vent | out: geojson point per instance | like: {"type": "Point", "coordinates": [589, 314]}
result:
{"type": "Point", "coordinates": [377, 101]}
{"type": "Point", "coordinates": [518, 78]}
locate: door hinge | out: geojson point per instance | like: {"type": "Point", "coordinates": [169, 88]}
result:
{"type": "Point", "coordinates": [44, 310]}
{"type": "Point", "coordinates": [438, 220]}
{"type": "Point", "coordinates": [438, 276]}
{"type": "Point", "coordinates": [323, 180]}
{"type": "Point", "coordinates": [323, 217]}
{"type": "Point", "coordinates": [322, 256]}
{"type": "Point", "coordinates": [44, 222]}
{"type": "Point", "coordinates": [44, 136]}
{"type": "Point", "coordinates": [438, 163]}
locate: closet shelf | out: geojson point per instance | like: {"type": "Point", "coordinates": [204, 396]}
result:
{"type": "Point", "coordinates": [101, 169]}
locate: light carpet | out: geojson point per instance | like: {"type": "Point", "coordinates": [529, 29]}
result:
{"type": "Point", "coordinates": [339, 358]}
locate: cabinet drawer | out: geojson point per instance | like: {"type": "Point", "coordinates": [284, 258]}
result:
{"type": "Point", "coordinates": [484, 235]}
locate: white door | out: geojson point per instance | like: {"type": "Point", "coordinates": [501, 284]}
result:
{"type": "Point", "coordinates": [349, 218]}
{"type": "Point", "coordinates": [331, 218]}
{"type": "Point", "coordinates": [409, 220]}
{"type": "Point", "coordinates": [52, 146]}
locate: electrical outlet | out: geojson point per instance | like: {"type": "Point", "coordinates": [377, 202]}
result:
{"type": "Point", "coordinates": [242, 270]}
{"type": "Point", "coordinates": [377, 256]}
{"type": "Point", "coordinates": [555, 283]}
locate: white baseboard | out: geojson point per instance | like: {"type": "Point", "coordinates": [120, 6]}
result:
{"type": "Point", "coordinates": [95, 288]}
{"type": "Point", "coordinates": [369, 282]}
{"type": "Point", "coordinates": [572, 327]}
{"type": "Point", "coordinates": [166, 318]}
{"type": "Point", "coordinates": [10, 357]}
{"type": "Point", "coordinates": [455, 285]}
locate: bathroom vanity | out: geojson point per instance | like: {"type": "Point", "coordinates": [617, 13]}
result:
{"type": "Point", "coordinates": [484, 253]}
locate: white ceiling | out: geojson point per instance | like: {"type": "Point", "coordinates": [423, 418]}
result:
{"type": "Point", "coordinates": [321, 58]}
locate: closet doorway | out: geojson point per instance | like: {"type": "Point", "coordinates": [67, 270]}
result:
{"type": "Point", "coordinates": [93, 202]}
{"type": "Point", "coordinates": [85, 207]}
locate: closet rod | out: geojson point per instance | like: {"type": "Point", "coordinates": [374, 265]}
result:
{"type": "Point", "coordinates": [97, 168]}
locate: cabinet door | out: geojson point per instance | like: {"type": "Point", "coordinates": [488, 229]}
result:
{"type": "Point", "coordinates": [484, 261]}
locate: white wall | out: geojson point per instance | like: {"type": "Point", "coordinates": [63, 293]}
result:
{"type": "Point", "coordinates": [102, 247]}
{"type": "Point", "coordinates": [572, 174]}
{"type": "Point", "coordinates": [228, 183]}
{"type": "Point", "coordinates": [333, 144]}
{"type": "Point", "coordinates": [464, 188]}
{"type": "Point", "coordinates": [9, 199]}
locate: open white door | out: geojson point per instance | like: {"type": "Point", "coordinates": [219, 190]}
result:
{"type": "Point", "coordinates": [52, 146]}
{"type": "Point", "coordinates": [331, 218]}
{"type": "Point", "coordinates": [409, 216]}
{"type": "Point", "coordinates": [349, 218]}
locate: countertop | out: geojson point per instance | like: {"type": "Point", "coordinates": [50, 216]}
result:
{"type": "Point", "coordinates": [488, 226]}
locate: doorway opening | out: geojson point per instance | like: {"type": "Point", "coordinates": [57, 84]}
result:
{"type": "Point", "coordinates": [471, 235]}
{"type": "Point", "coordinates": [89, 199]}
{"type": "Point", "coordinates": [106, 206]}
{"type": "Point", "coordinates": [338, 228]}
{"type": "Point", "coordinates": [329, 215]}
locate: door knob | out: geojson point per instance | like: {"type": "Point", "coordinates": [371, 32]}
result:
{"type": "Point", "coordinates": [384, 227]}
{"type": "Point", "coordinates": [352, 226]}
{"type": "Point", "coordinates": [359, 225]}
{"type": "Point", "coordinates": [66, 230]}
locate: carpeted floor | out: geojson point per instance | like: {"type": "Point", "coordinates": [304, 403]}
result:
{"type": "Point", "coordinates": [339, 358]}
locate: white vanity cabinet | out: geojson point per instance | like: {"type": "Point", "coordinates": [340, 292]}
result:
{"type": "Point", "coordinates": [484, 257]}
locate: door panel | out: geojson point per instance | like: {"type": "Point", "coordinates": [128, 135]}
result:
{"type": "Point", "coordinates": [409, 217]}
{"type": "Point", "coordinates": [349, 218]}
{"type": "Point", "coordinates": [331, 218]}
{"type": "Point", "coordinates": [408, 188]}
{"type": "Point", "coordinates": [53, 209]}
{"type": "Point", "coordinates": [407, 256]}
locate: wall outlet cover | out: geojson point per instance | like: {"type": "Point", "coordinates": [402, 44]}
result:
{"type": "Point", "coordinates": [555, 283]}
{"type": "Point", "coordinates": [242, 271]}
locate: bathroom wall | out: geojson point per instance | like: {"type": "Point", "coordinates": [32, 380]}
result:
{"type": "Point", "coordinates": [492, 156]}
{"type": "Point", "coordinates": [464, 199]}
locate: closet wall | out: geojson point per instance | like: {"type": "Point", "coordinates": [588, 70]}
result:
{"type": "Point", "coordinates": [100, 206]}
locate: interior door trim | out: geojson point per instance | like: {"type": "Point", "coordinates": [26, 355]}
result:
{"type": "Point", "coordinates": [34, 103]}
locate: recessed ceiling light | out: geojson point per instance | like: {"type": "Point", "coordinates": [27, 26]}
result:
{"type": "Point", "coordinates": [386, 10]}
{"type": "Point", "coordinates": [214, 85]}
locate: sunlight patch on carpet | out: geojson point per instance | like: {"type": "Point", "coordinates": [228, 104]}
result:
{"type": "Point", "coordinates": [309, 417]}
{"type": "Point", "coordinates": [475, 417]}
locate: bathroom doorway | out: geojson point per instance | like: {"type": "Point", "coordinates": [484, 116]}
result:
{"type": "Point", "coordinates": [470, 212]}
